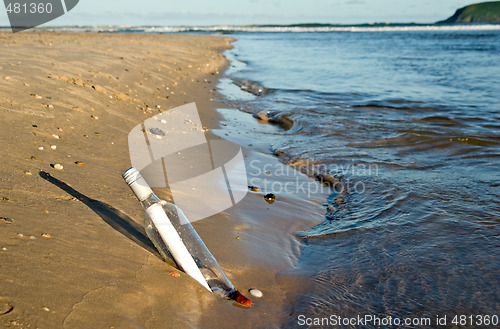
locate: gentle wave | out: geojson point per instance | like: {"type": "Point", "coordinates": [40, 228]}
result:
{"type": "Point", "coordinates": [291, 28]}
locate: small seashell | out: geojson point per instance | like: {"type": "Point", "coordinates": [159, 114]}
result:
{"type": "Point", "coordinates": [20, 235]}
{"type": "Point", "coordinates": [31, 237]}
{"type": "Point", "coordinates": [46, 235]}
{"type": "Point", "coordinates": [55, 136]}
{"type": "Point", "coordinates": [80, 163]}
{"type": "Point", "coordinates": [41, 148]}
{"type": "Point", "coordinates": [95, 117]}
{"type": "Point", "coordinates": [27, 172]}
{"type": "Point", "coordinates": [53, 147]}
{"type": "Point", "coordinates": [58, 166]}
{"type": "Point", "coordinates": [46, 309]}
{"type": "Point", "coordinates": [50, 106]}
{"type": "Point", "coordinates": [163, 121]}
{"type": "Point", "coordinates": [174, 274]}
{"type": "Point", "coordinates": [255, 292]}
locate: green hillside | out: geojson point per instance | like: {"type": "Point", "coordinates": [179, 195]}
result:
{"type": "Point", "coordinates": [485, 12]}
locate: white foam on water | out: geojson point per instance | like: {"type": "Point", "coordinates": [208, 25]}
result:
{"type": "Point", "coordinates": [290, 29]}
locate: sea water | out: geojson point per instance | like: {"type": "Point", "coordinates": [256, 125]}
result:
{"type": "Point", "coordinates": [408, 124]}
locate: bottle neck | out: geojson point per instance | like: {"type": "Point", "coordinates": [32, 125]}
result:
{"type": "Point", "coordinates": [149, 201]}
{"type": "Point", "coordinates": [140, 187]}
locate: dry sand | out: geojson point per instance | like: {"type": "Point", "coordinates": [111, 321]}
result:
{"type": "Point", "coordinates": [73, 253]}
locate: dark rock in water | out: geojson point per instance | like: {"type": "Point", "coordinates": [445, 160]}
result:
{"type": "Point", "coordinates": [270, 198]}
{"type": "Point", "coordinates": [251, 87]}
{"type": "Point", "coordinates": [280, 119]}
{"type": "Point", "coordinates": [280, 155]}
{"type": "Point", "coordinates": [262, 115]}
{"type": "Point", "coordinates": [327, 179]}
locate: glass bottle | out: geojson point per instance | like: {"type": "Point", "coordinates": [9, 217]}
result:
{"type": "Point", "coordinates": [172, 233]}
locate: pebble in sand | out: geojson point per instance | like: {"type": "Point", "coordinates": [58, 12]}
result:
{"type": "Point", "coordinates": [5, 306]}
{"type": "Point", "coordinates": [255, 292]}
{"type": "Point", "coordinates": [270, 198]}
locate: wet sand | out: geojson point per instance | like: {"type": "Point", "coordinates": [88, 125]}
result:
{"type": "Point", "coordinates": [73, 253]}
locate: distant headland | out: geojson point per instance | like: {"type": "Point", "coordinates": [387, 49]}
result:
{"type": "Point", "coordinates": [484, 12]}
{"type": "Point", "coordinates": [479, 13]}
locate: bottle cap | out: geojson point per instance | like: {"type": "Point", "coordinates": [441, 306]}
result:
{"type": "Point", "coordinates": [137, 183]}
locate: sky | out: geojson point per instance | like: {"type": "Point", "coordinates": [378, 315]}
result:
{"type": "Point", "coordinates": [244, 12]}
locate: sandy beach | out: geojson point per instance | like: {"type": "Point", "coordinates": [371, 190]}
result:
{"type": "Point", "coordinates": [73, 253]}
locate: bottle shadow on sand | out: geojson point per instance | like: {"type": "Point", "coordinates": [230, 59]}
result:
{"type": "Point", "coordinates": [112, 216]}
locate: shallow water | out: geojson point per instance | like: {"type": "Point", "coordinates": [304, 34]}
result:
{"type": "Point", "coordinates": [408, 125]}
